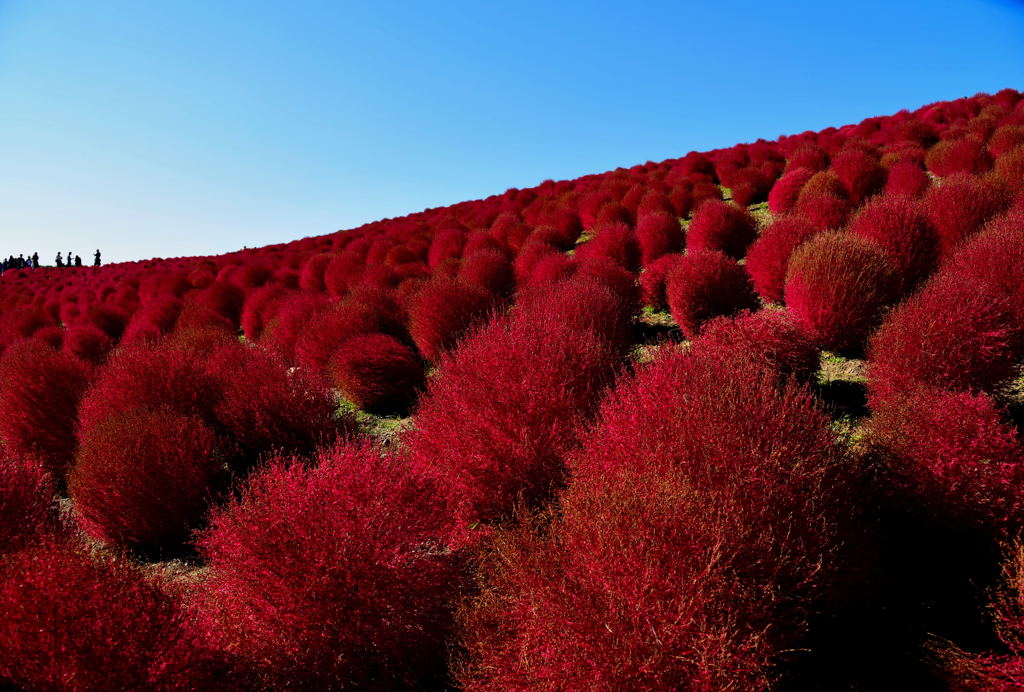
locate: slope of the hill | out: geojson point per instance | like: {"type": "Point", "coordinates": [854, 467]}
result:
{"type": "Point", "coordinates": [745, 419]}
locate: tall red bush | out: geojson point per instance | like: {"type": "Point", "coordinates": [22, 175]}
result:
{"type": "Point", "coordinates": [666, 568]}
{"type": "Point", "coordinates": [443, 310]}
{"type": "Point", "coordinates": [75, 622]}
{"type": "Point", "coordinates": [377, 373]}
{"type": "Point", "coordinates": [768, 259]}
{"type": "Point", "coordinates": [784, 193]}
{"type": "Point", "coordinates": [838, 287]}
{"type": "Point", "coordinates": [40, 390]}
{"type": "Point", "coordinates": [901, 228]}
{"type": "Point", "coordinates": [332, 575]}
{"type": "Point", "coordinates": [959, 206]}
{"type": "Point", "coordinates": [723, 227]}
{"type": "Point", "coordinates": [144, 478]}
{"type": "Point", "coordinates": [706, 284]}
{"type": "Point", "coordinates": [658, 234]}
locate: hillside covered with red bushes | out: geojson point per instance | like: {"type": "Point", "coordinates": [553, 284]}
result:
{"type": "Point", "coordinates": [745, 419]}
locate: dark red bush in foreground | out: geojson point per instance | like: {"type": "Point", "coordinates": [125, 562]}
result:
{"type": "Point", "coordinates": [377, 373]}
{"type": "Point", "coordinates": [332, 575]}
{"type": "Point", "coordinates": [72, 622]}
{"type": "Point", "coordinates": [952, 334]}
{"type": "Point", "coordinates": [703, 528]}
{"type": "Point", "coordinates": [442, 311]}
{"type": "Point", "coordinates": [87, 342]}
{"type": "Point", "coordinates": [27, 506]}
{"type": "Point", "coordinates": [144, 478]}
{"type": "Point", "coordinates": [721, 226]}
{"type": "Point", "coordinates": [494, 424]}
{"type": "Point", "coordinates": [838, 287]}
{"type": "Point", "coordinates": [490, 270]}
{"type": "Point", "coordinates": [39, 393]}
{"type": "Point", "coordinates": [707, 284]}
{"type": "Point", "coordinates": [953, 456]}
{"type": "Point", "coordinates": [901, 228]}
{"type": "Point", "coordinates": [769, 256]}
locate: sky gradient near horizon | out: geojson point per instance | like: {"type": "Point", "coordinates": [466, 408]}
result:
{"type": "Point", "coordinates": [189, 128]}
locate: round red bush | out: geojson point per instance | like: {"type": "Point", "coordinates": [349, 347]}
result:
{"type": "Point", "coordinates": [1010, 168]}
{"type": "Point", "coordinates": [907, 179]}
{"type": "Point", "coordinates": [838, 287]}
{"type": "Point", "coordinates": [769, 338]}
{"type": "Point", "coordinates": [40, 390]}
{"type": "Point", "coordinates": [332, 575]}
{"type": "Point", "coordinates": [958, 207]}
{"type": "Point", "coordinates": [665, 568]}
{"type": "Point", "coordinates": [784, 193]}
{"type": "Point", "coordinates": [658, 234]}
{"type": "Point", "coordinates": [443, 310]}
{"type": "Point", "coordinates": [706, 284]}
{"type": "Point", "coordinates": [654, 278]}
{"type": "Point", "coordinates": [963, 155]}
{"type": "Point", "coordinates": [615, 241]}
{"type": "Point", "coordinates": [822, 210]}
{"type": "Point", "coordinates": [721, 226]}
{"type": "Point", "coordinates": [88, 343]}
{"type": "Point", "coordinates": [952, 334]}
{"type": "Point", "coordinates": [953, 457]}
{"type": "Point", "coordinates": [377, 373]}
{"type": "Point", "coordinates": [75, 622]}
{"type": "Point", "coordinates": [494, 424]}
{"type": "Point", "coordinates": [144, 478]}
{"type": "Point", "coordinates": [264, 406]}
{"type": "Point", "coordinates": [901, 228]}
{"type": "Point", "coordinates": [27, 502]}
{"type": "Point", "coordinates": [859, 172]}
{"type": "Point", "coordinates": [769, 256]}
{"type": "Point", "coordinates": [490, 270]}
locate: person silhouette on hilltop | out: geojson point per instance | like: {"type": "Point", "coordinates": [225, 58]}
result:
{"type": "Point", "coordinates": [78, 261]}
{"type": "Point", "coordinates": [60, 260]}
{"type": "Point", "coordinates": [96, 258]}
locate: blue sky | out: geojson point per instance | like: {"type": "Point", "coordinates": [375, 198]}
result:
{"type": "Point", "coordinates": [167, 129]}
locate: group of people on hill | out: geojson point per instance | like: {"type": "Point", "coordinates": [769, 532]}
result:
{"type": "Point", "coordinates": [32, 261]}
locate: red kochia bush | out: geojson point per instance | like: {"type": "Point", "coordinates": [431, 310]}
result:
{"type": "Point", "coordinates": [769, 256]}
{"type": "Point", "coordinates": [859, 172]}
{"type": "Point", "coordinates": [27, 506]}
{"type": "Point", "coordinates": [786, 190]}
{"type": "Point", "coordinates": [654, 278]}
{"type": "Point", "coordinates": [704, 525]}
{"type": "Point", "coordinates": [490, 270]}
{"type": "Point", "coordinates": [332, 575]}
{"type": "Point", "coordinates": [264, 406]}
{"type": "Point", "coordinates": [964, 155]}
{"type": "Point", "coordinates": [39, 394]}
{"type": "Point", "coordinates": [706, 284]}
{"type": "Point", "coordinates": [88, 342]}
{"type": "Point", "coordinates": [615, 241]}
{"type": "Point", "coordinates": [494, 424]}
{"type": "Point", "coordinates": [953, 456]}
{"type": "Point", "coordinates": [908, 179]}
{"type": "Point", "coordinates": [658, 234]}
{"type": "Point", "coordinates": [144, 478]}
{"type": "Point", "coordinates": [1010, 168]}
{"type": "Point", "coordinates": [901, 228]}
{"type": "Point", "coordinates": [72, 622]}
{"type": "Point", "coordinates": [952, 334]}
{"type": "Point", "coordinates": [767, 337]}
{"type": "Point", "coordinates": [823, 210]}
{"type": "Point", "coordinates": [584, 302]}
{"type": "Point", "coordinates": [377, 373]}
{"type": "Point", "coordinates": [165, 376]}
{"type": "Point", "coordinates": [442, 311]}
{"type": "Point", "coordinates": [838, 287]}
{"type": "Point", "coordinates": [721, 226]}
{"type": "Point", "coordinates": [959, 206]}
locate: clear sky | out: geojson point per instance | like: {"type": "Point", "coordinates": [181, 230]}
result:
{"type": "Point", "coordinates": [181, 128]}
